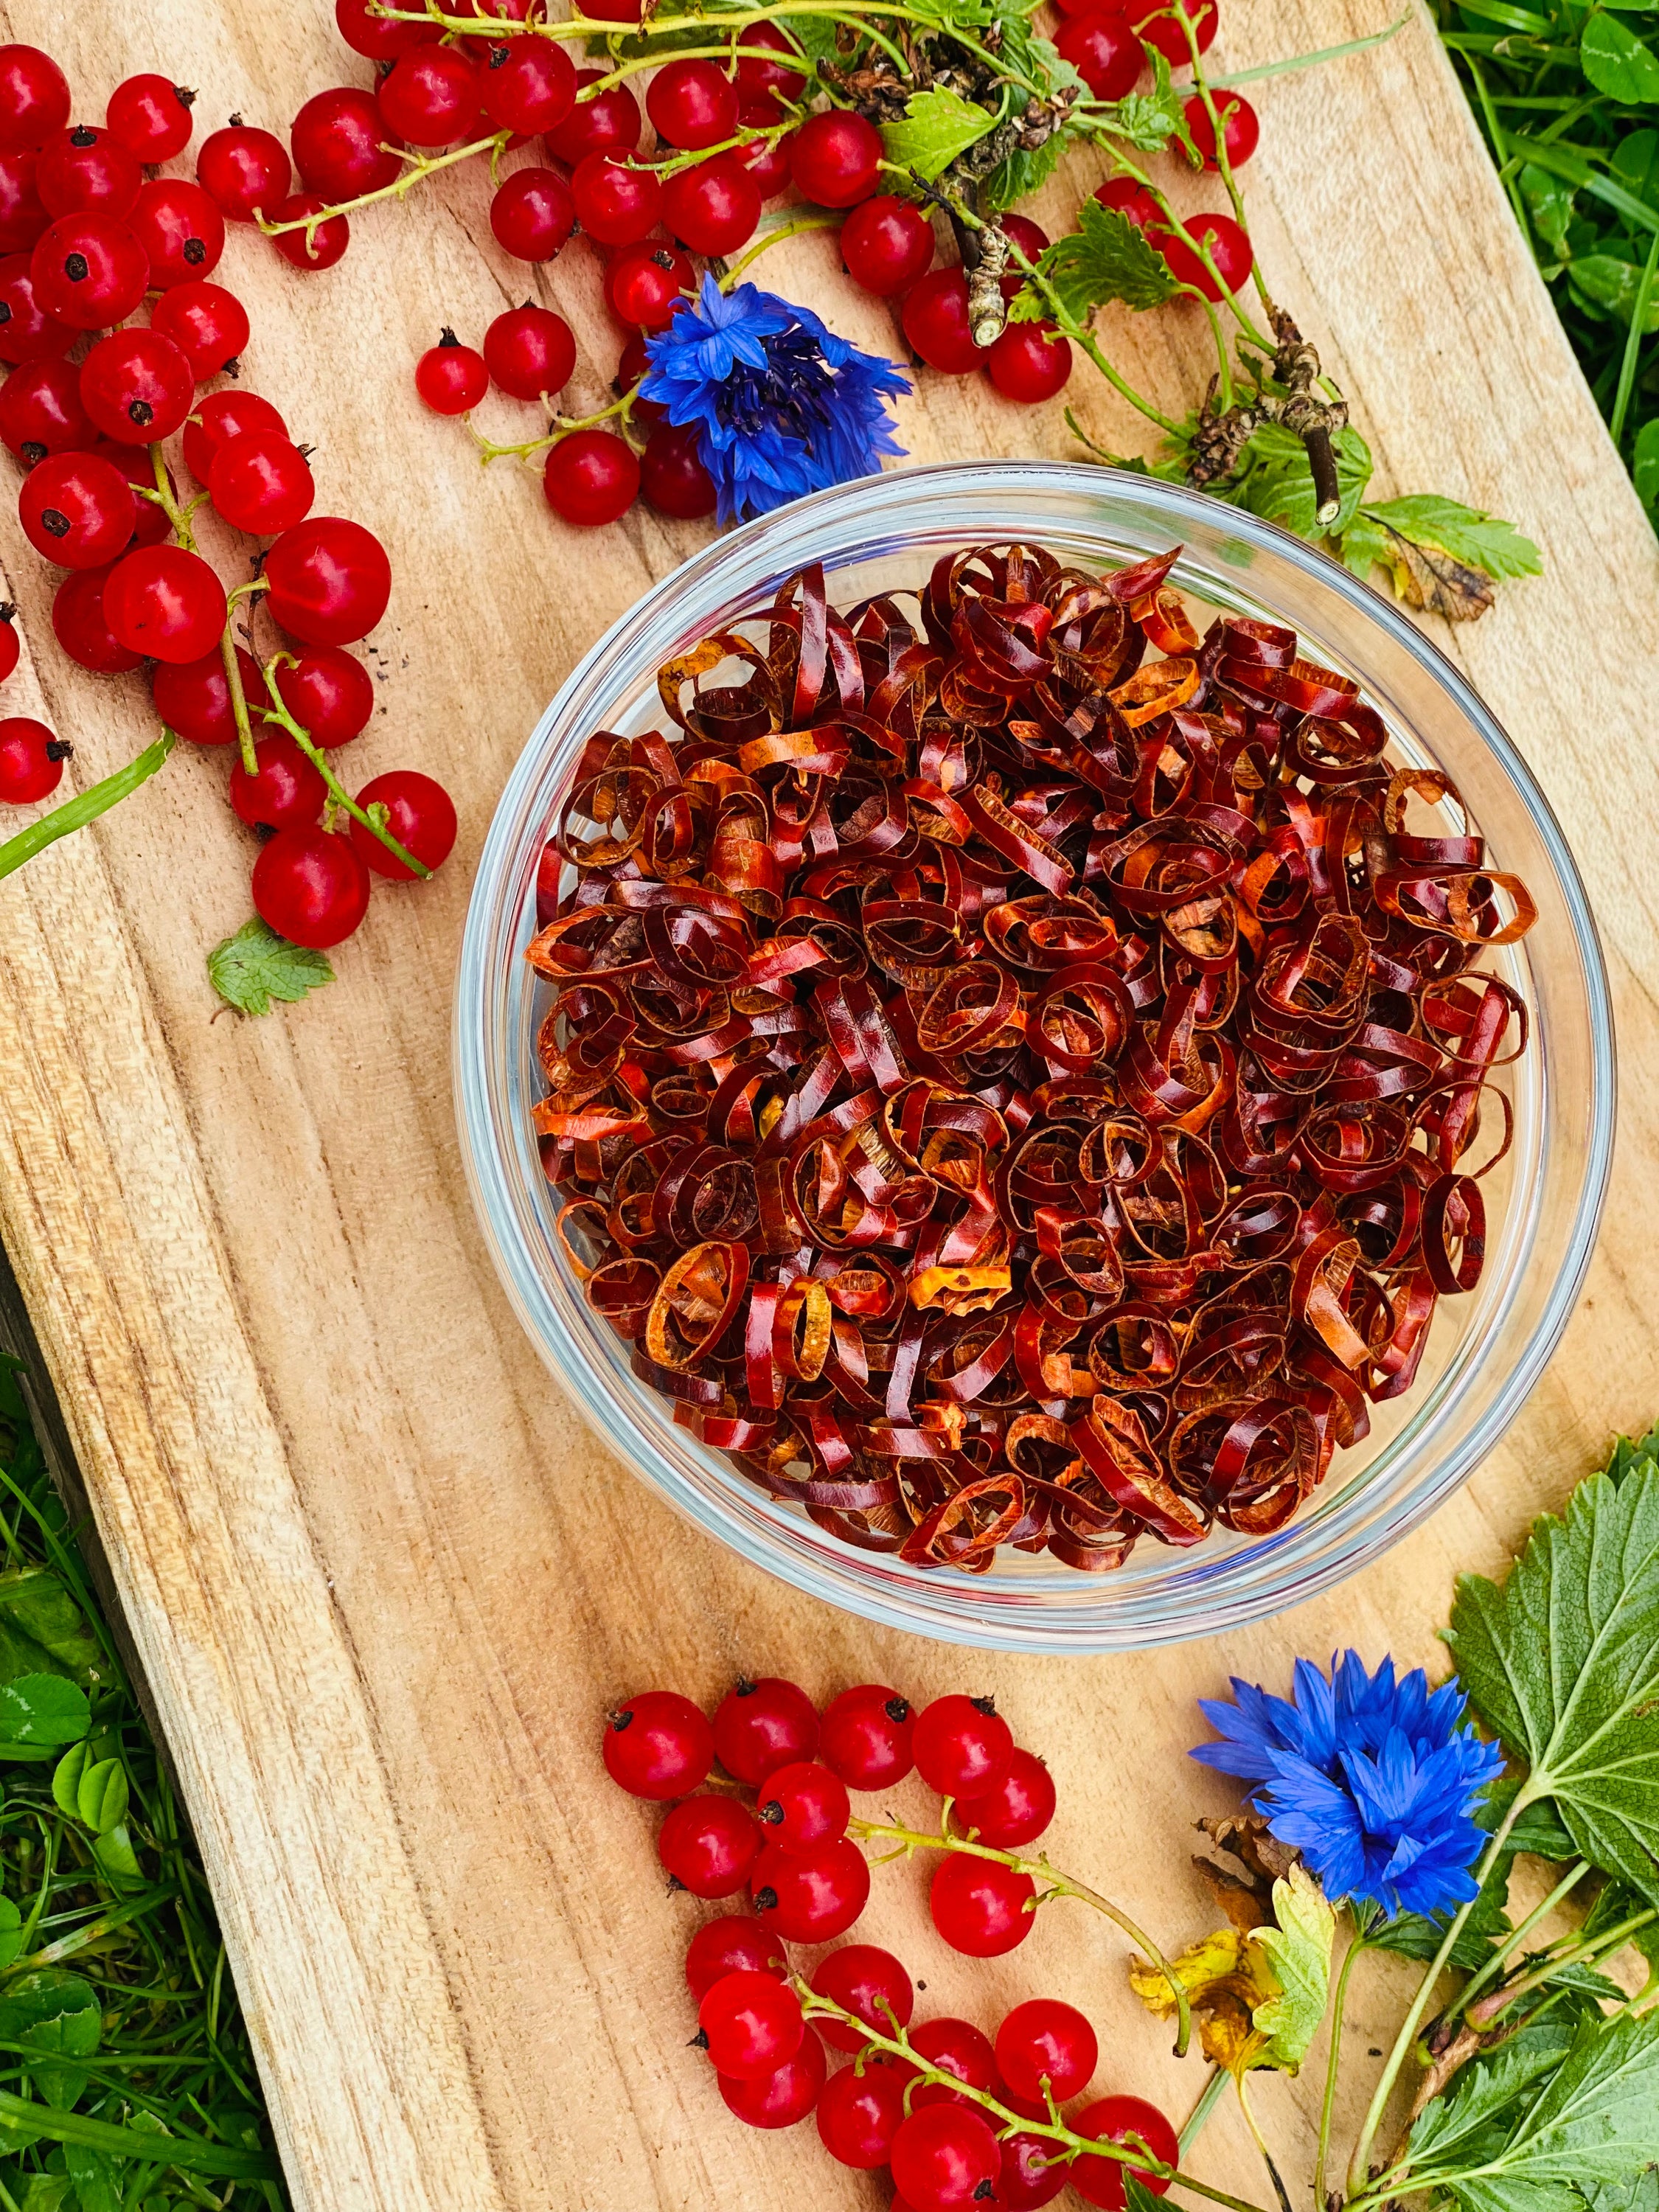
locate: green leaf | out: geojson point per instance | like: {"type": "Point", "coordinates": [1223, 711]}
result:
{"type": "Point", "coordinates": [46, 2192]}
{"type": "Point", "coordinates": [1300, 1949]}
{"type": "Point", "coordinates": [255, 966]}
{"type": "Point", "coordinates": [1361, 547]}
{"type": "Point", "coordinates": [1635, 161]}
{"type": "Point", "coordinates": [1563, 1663]}
{"type": "Point", "coordinates": [36, 1602]}
{"type": "Point", "coordinates": [814, 34]}
{"type": "Point", "coordinates": [1025, 170]}
{"type": "Point", "coordinates": [1549, 203]}
{"type": "Point", "coordinates": [116, 1860]}
{"type": "Point", "coordinates": [94, 2175]}
{"type": "Point", "coordinates": [1604, 280]}
{"type": "Point", "coordinates": [1483, 541]}
{"type": "Point", "coordinates": [1149, 120]}
{"type": "Point", "coordinates": [66, 1778]}
{"type": "Point", "coordinates": [11, 1932]}
{"type": "Point", "coordinates": [57, 2013]}
{"type": "Point", "coordinates": [937, 126]}
{"type": "Point", "coordinates": [1644, 464]}
{"type": "Point", "coordinates": [101, 1796]}
{"type": "Point", "coordinates": [1483, 2091]}
{"type": "Point", "coordinates": [1106, 257]}
{"type": "Point", "coordinates": [1272, 479]}
{"type": "Point", "coordinates": [43, 1709]}
{"type": "Point", "coordinates": [1617, 62]}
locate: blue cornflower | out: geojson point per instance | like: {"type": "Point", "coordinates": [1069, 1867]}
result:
{"type": "Point", "coordinates": [1373, 1781]}
{"type": "Point", "coordinates": [782, 404]}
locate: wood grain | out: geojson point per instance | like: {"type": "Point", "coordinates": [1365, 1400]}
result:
{"type": "Point", "coordinates": [381, 1582]}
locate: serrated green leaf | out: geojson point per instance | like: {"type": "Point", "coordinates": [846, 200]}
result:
{"type": "Point", "coordinates": [1616, 62]}
{"type": "Point", "coordinates": [1273, 479]}
{"type": "Point", "coordinates": [45, 1710]}
{"type": "Point", "coordinates": [1486, 542]}
{"type": "Point", "coordinates": [255, 966]}
{"type": "Point", "coordinates": [937, 125]}
{"type": "Point", "coordinates": [1484, 2090]}
{"type": "Point", "coordinates": [1026, 170]}
{"type": "Point", "coordinates": [814, 34]}
{"type": "Point", "coordinates": [1106, 257]}
{"type": "Point", "coordinates": [1149, 120]}
{"type": "Point", "coordinates": [1300, 1949]}
{"type": "Point", "coordinates": [1361, 546]}
{"type": "Point", "coordinates": [59, 2014]}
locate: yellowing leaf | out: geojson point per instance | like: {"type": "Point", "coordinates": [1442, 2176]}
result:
{"type": "Point", "coordinates": [1300, 1950]}
{"type": "Point", "coordinates": [1227, 1977]}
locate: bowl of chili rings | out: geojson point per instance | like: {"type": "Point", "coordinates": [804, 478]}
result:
{"type": "Point", "coordinates": [1033, 1058]}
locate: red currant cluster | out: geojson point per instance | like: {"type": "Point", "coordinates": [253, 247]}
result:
{"type": "Point", "coordinates": [940, 2105]}
{"type": "Point", "coordinates": [89, 404]}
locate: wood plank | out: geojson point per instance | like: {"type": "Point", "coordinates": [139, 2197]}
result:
{"type": "Point", "coordinates": [381, 1582]}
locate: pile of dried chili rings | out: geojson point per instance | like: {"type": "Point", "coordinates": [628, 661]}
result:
{"type": "Point", "coordinates": [1014, 1077]}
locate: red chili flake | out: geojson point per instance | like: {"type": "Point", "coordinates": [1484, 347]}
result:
{"type": "Point", "coordinates": [1013, 1067]}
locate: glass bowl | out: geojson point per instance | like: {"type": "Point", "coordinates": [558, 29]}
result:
{"type": "Point", "coordinates": [1544, 1203]}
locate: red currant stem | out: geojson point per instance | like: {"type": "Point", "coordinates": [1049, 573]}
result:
{"type": "Point", "coordinates": [420, 166]}
{"type": "Point", "coordinates": [1225, 393]}
{"type": "Point", "coordinates": [1084, 339]}
{"type": "Point", "coordinates": [1314, 60]}
{"type": "Point", "coordinates": [85, 806]}
{"type": "Point", "coordinates": [1201, 85]}
{"type": "Point", "coordinates": [489, 451]}
{"type": "Point", "coordinates": [794, 229]}
{"type": "Point", "coordinates": [1214, 2089]}
{"type": "Point", "coordinates": [177, 517]}
{"type": "Point", "coordinates": [277, 713]}
{"type": "Point", "coordinates": [763, 132]}
{"type": "Point", "coordinates": [1060, 1885]}
{"type": "Point", "coordinates": [233, 674]}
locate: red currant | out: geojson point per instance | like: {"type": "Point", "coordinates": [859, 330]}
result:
{"type": "Point", "coordinates": [866, 1737]}
{"type": "Point", "coordinates": [934, 319]}
{"type": "Point", "coordinates": [529, 85]}
{"type": "Point", "coordinates": [451, 378]}
{"type": "Point", "coordinates": [761, 1726]}
{"type": "Point", "coordinates": [812, 1897]}
{"type": "Point", "coordinates": [1115, 2119]}
{"type": "Point", "coordinates": [1030, 362]}
{"type": "Point", "coordinates": [77, 621]}
{"type": "Point", "coordinates": [1229, 249]}
{"type": "Point", "coordinates": [1015, 1810]}
{"type": "Point", "coordinates": [617, 204]}
{"type": "Point", "coordinates": [310, 887]}
{"type": "Point", "coordinates": [22, 217]}
{"type": "Point", "coordinates": [1155, 23]}
{"type": "Point", "coordinates": [329, 581]}
{"type": "Point", "coordinates": [780, 2099]}
{"type": "Point", "coordinates": [834, 159]}
{"type": "Point", "coordinates": [180, 228]}
{"type": "Point", "coordinates": [712, 207]}
{"type": "Point", "coordinates": [1032, 2172]}
{"type": "Point", "coordinates": [767, 160]}
{"type": "Point", "coordinates": [860, 2112]}
{"type": "Point", "coordinates": [964, 1747]}
{"type": "Point", "coordinates": [41, 411]}
{"type": "Point", "coordinates": [1131, 200]}
{"type": "Point", "coordinates": [646, 282]}
{"type": "Point", "coordinates": [707, 1844]}
{"type": "Point", "coordinates": [803, 1803]}
{"type": "Point", "coordinates": [979, 1906]}
{"type": "Point", "coordinates": [1046, 2044]}
{"type": "Point", "coordinates": [222, 416]}
{"type": "Point", "coordinates": [86, 172]}
{"type": "Point", "coordinates": [338, 142]}
{"type": "Point", "coordinates": [374, 38]}
{"type": "Point", "coordinates": [1240, 123]}
{"type": "Point", "coordinates": [244, 170]}
{"type": "Point", "coordinates": [1105, 53]}
{"type": "Point", "coordinates": [421, 816]}
{"type": "Point", "coordinates": [151, 117]}
{"type": "Point", "coordinates": [611, 123]}
{"type": "Point", "coordinates": [286, 794]}
{"type": "Point", "coordinates": [750, 2025]}
{"type": "Point", "coordinates": [165, 603]}
{"type": "Point", "coordinates": [34, 97]}
{"type": "Point", "coordinates": [11, 647]}
{"type": "Point", "coordinates": [869, 1982]}
{"type": "Point", "coordinates": [27, 331]}
{"type": "Point", "coordinates": [90, 271]}
{"type": "Point", "coordinates": [658, 1745]}
{"type": "Point", "coordinates": [958, 2047]}
{"type": "Point", "coordinates": [529, 352]}
{"type": "Point", "coordinates": [315, 249]}
{"type": "Point", "coordinates": [193, 697]}
{"type": "Point", "coordinates": [886, 244]}
{"type": "Point", "coordinates": [137, 386]}
{"type": "Point", "coordinates": [261, 483]}
{"type": "Point", "coordinates": [331, 696]}
{"type": "Point", "coordinates": [533, 214]}
{"type": "Point", "coordinates": [733, 1945]}
{"type": "Point", "coordinates": [943, 2157]}
{"type": "Point", "coordinates": [692, 104]}
{"type": "Point", "coordinates": [151, 527]}
{"type": "Point", "coordinates": [78, 510]}
{"type": "Point", "coordinates": [31, 761]}
{"type": "Point", "coordinates": [591, 478]}
{"type": "Point", "coordinates": [209, 325]}
{"type": "Point", "coordinates": [758, 78]}
{"type": "Point", "coordinates": [430, 98]}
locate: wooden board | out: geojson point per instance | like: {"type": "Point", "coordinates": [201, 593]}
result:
{"type": "Point", "coordinates": [382, 1583]}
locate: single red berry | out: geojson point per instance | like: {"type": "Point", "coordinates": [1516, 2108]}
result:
{"type": "Point", "coordinates": [78, 510]}
{"type": "Point", "coordinates": [615, 204]}
{"type": "Point", "coordinates": [813, 1896]}
{"type": "Point", "coordinates": [27, 331]}
{"type": "Point", "coordinates": [430, 98]}
{"type": "Point", "coordinates": [750, 2023]}
{"type": "Point", "coordinates": [860, 2112]}
{"type": "Point", "coordinates": [310, 887]}
{"type": "Point", "coordinates": [886, 244]}
{"type": "Point", "coordinates": [707, 1844]}
{"type": "Point", "coordinates": [692, 104]}
{"type": "Point", "coordinates": [338, 141]}
{"type": "Point", "coordinates": [611, 123]}
{"type": "Point", "coordinates": [735, 1944]}
{"type": "Point", "coordinates": [34, 97]}
{"type": "Point", "coordinates": [964, 1747]}
{"type": "Point", "coordinates": [22, 216]}
{"type": "Point", "coordinates": [193, 697]}
{"type": "Point", "coordinates": [180, 228]}
{"type": "Point", "coordinates": [657, 1745]}
{"type": "Point", "coordinates": [1032, 2173]}
{"type": "Point", "coordinates": [1116, 2119]}
{"type": "Point", "coordinates": [1044, 2042]}
{"type": "Point", "coordinates": [1030, 362]}
{"type": "Point", "coordinates": [591, 478]}
{"type": "Point", "coordinates": [934, 319]}
{"type": "Point", "coordinates": [958, 2047]}
{"type": "Point", "coordinates": [869, 1982]}
{"type": "Point", "coordinates": [713, 206]}
{"type": "Point", "coordinates": [532, 214]}
{"type": "Point", "coordinates": [451, 378]}
{"type": "Point", "coordinates": [137, 386]}
{"type": "Point", "coordinates": [1032, 241]}
{"type": "Point", "coordinates": [314, 249]}
{"type": "Point", "coordinates": [31, 761]}
{"type": "Point", "coordinates": [78, 623]}
{"type": "Point", "coordinates": [209, 325]}
{"type": "Point", "coordinates": [261, 483]}
{"type": "Point", "coordinates": [374, 38]}
{"type": "Point", "coordinates": [244, 170]}
{"type": "Point", "coordinates": [945, 2159]}
{"type": "Point", "coordinates": [834, 159]}
{"type": "Point", "coordinates": [1154, 21]}
{"type": "Point", "coordinates": [90, 271]}
{"type": "Point", "coordinates": [767, 160]}
{"type": "Point", "coordinates": [529, 352]}
{"type": "Point", "coordinates": [329, 695]}
{"type": "Point", "coordinates": [329, 581]}
{"type": "Point", "coordinates": [1240, 121]}
{"type": "Point", "coordinates": [286, 794]}
{"type": "Point", "coordinates": [1131, 200]}
{"type": "Point", "coordinates": [529, 85]}
{"type": "Point", "coordinates": [150, 115]}
{"type": "Point", "coordinates": [780, 2099]}
{"type": "Point", "coordinates": [151, 526]}
{"type": "Point", "coordinates": [41, 411]}
{"type": "Point", "coordinates": [1228, 248]}
{"type": "Point", "coordinates": [758, 78]}
{"type": "Point", "coordinates": [803, 1803]}
{"type": "Point", "coordinates": [865, 1737]}
{"type": "Point", "coordinates": [11, 647]}
{"type": "Point", "coordinates": [165, 603]}
{"type": "Point", "coordinates": [1105, 53]}
{"type": "Point", "coordinates": [81, 171]}
{"type": "Point", "coordinates": [646, 282]}
{"type": "Point", "coordinates": [1015, 1810]}
{"type": "Point", "coordinates": [222, 416]}
{"type": "Point", "coordinates": [980, 1907]}
{"type": "Point", "coordinates": [761, 1726]}
{"type": "Point", "coordinates": [421, 816]}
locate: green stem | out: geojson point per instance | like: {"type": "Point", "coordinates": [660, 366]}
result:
{"type": "Point", "coordinates": [86, 806]}
{"type": "Point", "coordinates": [1583, 1953]}
{"type": "Point", "coordinates": [1328, 2108]}
{"type": "Point", "coordinates": [1225, 169]}
{"type": "Point", "coordinates": [191, 2154]}
{"type": "Point", "coordinates": [1633, 344]}
{"type": "Point", "coordinates": [420, 166]}
{"type": "Point", "coordinates": [1214, 2089]}
{"type": "Point", "coordinates": [1314, 60]}
{"type": "Point", "coordinates": [1084, 338]}
{"type": "Point", "coordinates": [1517, 1936]}
{"type": "Point", "coordinates": [277, 712]}
{"type": "Point", "coordinates": [795, 229]}
{"type": "Point", "coordinates": [763, 134]}
{"type": "Point", "coordinates": [489, 451]}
